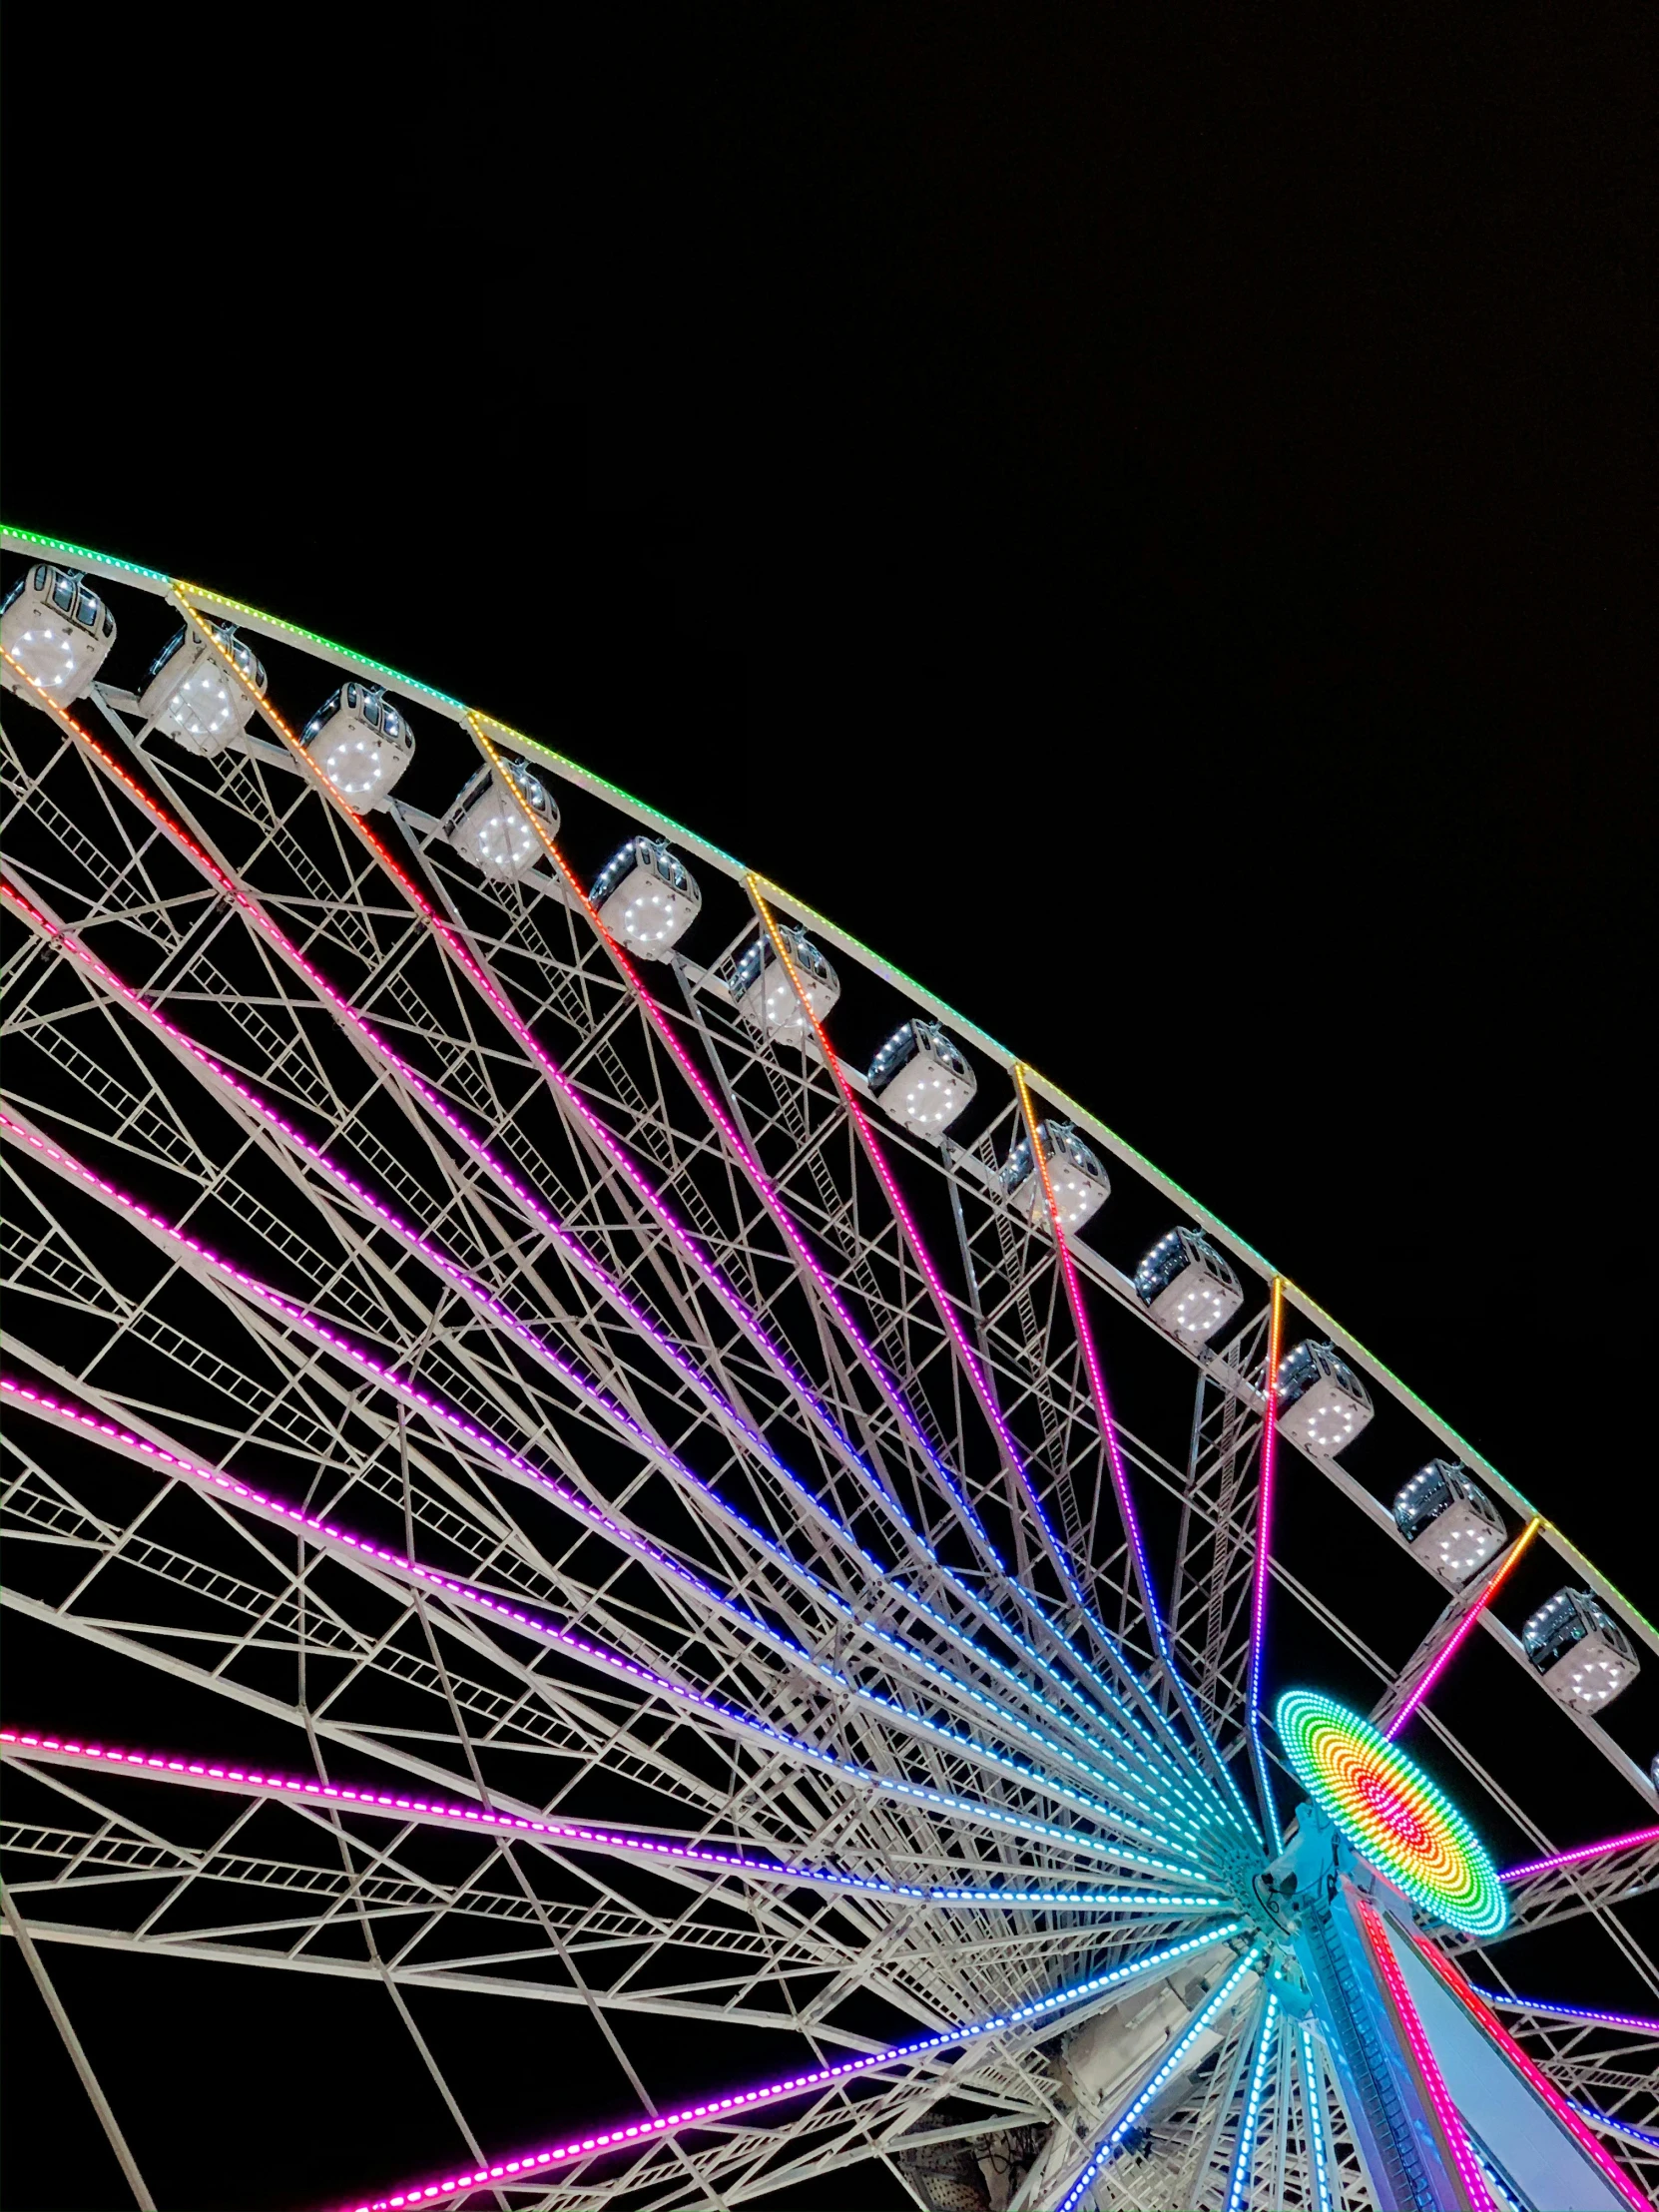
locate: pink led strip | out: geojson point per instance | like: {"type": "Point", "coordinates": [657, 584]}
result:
{"type": "Point", "coordinates": [1114, 1458]}
{"type": "Point", "coordinates": [434, 1256]}
{"type": "Point", "coordinates": [435, 1105]}
{"type": "Point", "coordinates": [597, 1655]}
{"type": "Point", "coordinates": [39, 1750]}
{"type": "Point", "coordinates": [763, 1185]}
{"type": "Point", "coordinates": [947, 1315]}
{"type": "Point", "coordinates": [1608, 1844]}
{"type": "Point", "coordinates": [1482, 2013]}
{"type": "Point", "coordinates": [798, 1387]}
{"type": "Point", "coordinates": [1467, 1626]}
{"type": "Point", "coordinates": [746, 1159]}
{"type": "Point", "coordinates": [1124, 1781]}
{"type": "Point", "coordinates": [512, 1020]}
{"type": "Point", "coordinates": [719, 2109]}
{"type": "Point", "coordinates": [1453, 2136]}
{"type": "Point", "coordinates": [1260, 1579]}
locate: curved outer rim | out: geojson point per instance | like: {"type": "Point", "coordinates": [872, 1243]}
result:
{"type": "Point", "coordinates": [114, 569]}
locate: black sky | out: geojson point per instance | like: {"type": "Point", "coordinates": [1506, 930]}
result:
{"type": "Point", "coordinates": [1146, 516]}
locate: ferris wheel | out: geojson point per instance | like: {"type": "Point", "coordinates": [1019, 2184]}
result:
{"type": "Point", "coordinates": [722, 1549]}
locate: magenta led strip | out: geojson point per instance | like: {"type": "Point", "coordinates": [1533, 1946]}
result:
{"type": "Point", "coordinates": [1114, 1458]}
{"type": "Point", "coordinates": [570, 1835]}
{"type": "Point", "coordinates": [947, 1315]}
{"type": "Point", "coordinates": [436, 1258]}
{"type": "Point", "coordinates": [290, 953]}
{"type": "Point", "coordinates": [1467, 1626]}
{"type": "Point", "coordinates": [441, 1110]}
{"type": "Point", "coordinates": [1479, 2008]}
{"type": "Point", "coordinates": [1450, 2122]}
{"type": "Point", "coordinates": [1608, 1844]}
{"type": "Point", "coordinates": [476, 1599]}
{"type": "Point", "coordinates": [748, 1160]}
{"type": "Point", "coordinates": [261, 921]}
{"type": "Point", "coordinates": [597, 1655]}
{"type": "Point", "coordinates": [1259, 1581]}
{"type": "Point", "coordinates": [717, 2110]}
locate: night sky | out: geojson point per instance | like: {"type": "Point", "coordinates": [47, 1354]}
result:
{"type": "Point", "coordinates": [1145, 516]}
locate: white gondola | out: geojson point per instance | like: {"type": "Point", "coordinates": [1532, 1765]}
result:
{"type": "Point", "coordinates": [1188, 1287]}
{"type": "Point", "coordinates": [1080, 1183]}
{"type": "Point", "coordinates": [58, 630]}
{"type": "Point", "coordinates": [486, 825]}
{"type": "Point", "coordinates": [1448, 1520]}
{"type": "Point", "coordinates": [361, 742]}
{"type": "Point", "coordinates": [647, 897]}
{"type": "Point", "coordinates": [192, 695]}
{"type": "Point", "coordinates": [921, 1077]}
{"type": "Point", "coordinates": [1322, 1405]}
{"type": "Point", "coordinates": [763, 993]}
{"type": "Point", "coordinates": [1584, 1654]}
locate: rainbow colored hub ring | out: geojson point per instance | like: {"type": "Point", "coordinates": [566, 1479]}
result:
{"type": "Point", "coordinates": [1390, 1812]}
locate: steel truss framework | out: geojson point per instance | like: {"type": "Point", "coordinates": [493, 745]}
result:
{"type": "Point", "coordinates": [679, 1528]}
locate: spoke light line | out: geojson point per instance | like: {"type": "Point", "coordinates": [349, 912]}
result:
{"type": "Point", "coordinates": [1455, 2148]}
{"type": "Point", "coordinates": [1261, 1579]}
{"type": "Point", "coordinates": [1191, 1847]}
{"type": "Point", "coordinates": [1124, 1776]}
{"type": "Point", "coordinates": [1546, 2008]}
{"type": "Point", "coordinates": [718, 2111]}
{"type": "Point", "coordinates": [1467, 1626]}
{"type": "Point", "coordinates": [1583, 1852]}
{"type": "Point", "coordinates": [33, 1747]}
{"type": "Point", "coordinates": [261, 922]}
{"type": "Point", "coordinates": [1250, 2119]}
{"type": "Point", "coordinates": [1115, 1462]}
{"type": "Point", "coordinates": [1313, 2106]}
{"type": "Point", "coordinates": [1157, 2082]}
{"type": "Point", "coordinates": [948, 1315]}
{"type": "Point", "coordinates": [649, 1679]}
{"type": "Point", "coordinates": [765, 1188]}
{"type": "Point", "coordinates": [1479, 2009]}
{"type": "Point", "coordinates": [1643, 2137]}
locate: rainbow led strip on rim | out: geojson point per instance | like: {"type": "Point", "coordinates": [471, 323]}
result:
{"type": "Point", "coordinates": [1390, 1812]}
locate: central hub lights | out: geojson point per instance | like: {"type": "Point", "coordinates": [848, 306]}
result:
{"type": "Point", "coordinates": [1390, 1810]}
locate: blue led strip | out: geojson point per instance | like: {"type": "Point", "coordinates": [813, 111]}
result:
{"type": "Point", "coordinates": [1250, 2119]}
{"type": "Point", "coordinates": [1312, 2105]}
{"type": "Point", "coordinates": [1132, 1783]}
{"type": "Point", "coordinates": [1615, 2126]}
{"type": "Point", "coordinates": [1157, 2082]}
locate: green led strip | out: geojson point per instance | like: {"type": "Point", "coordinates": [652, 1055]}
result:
{"type": "Point", "coordinates": [79, 552]}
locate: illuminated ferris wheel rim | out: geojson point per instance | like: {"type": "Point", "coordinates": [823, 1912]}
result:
{"type": "Point", "coordinates": [485, 733]}
{"type": "Point", "coordinates": [189, 597]}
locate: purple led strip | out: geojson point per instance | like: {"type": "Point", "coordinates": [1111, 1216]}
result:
{"type": "Point", "coordinates": [981, 1389]}
{"type": "Point", "coordinates": [547, 1222]}
{"type": "Point", "coordinates": [1120, 1473]}
{"type": "Point", "coordinates": [1607, 1844]}
{"type": "Point", "coordinates": [527, 1201]}
{"type": "Point", "coordinates": [759, 1181]}
{"type": "Point", "coordinates": [597, 1655]}
{"type": "Point", "coordinates": [1637, 2022]}
{"type": "Point", "coordinates": [717, 2110]}
{"type": "Point", "coordinates": [435, 1105]}
{"type": "Point", "coordinates": [573, 1835]}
